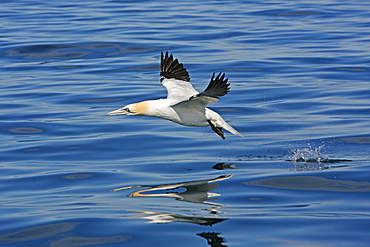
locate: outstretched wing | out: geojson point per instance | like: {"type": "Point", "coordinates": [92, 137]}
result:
{"type": "Point", "coordinates": [175, 79]}
{"type": "Point", "coordinates": [171, 68]}
{"type": "Point", "coordinates": [217, 87]}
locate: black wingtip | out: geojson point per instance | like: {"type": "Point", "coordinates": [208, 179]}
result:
{"type": "Point", "coordinates": [172, 68]}
{"type": "Point", "coordinates": [217, 87]}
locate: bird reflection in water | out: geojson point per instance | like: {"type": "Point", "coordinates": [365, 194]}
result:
{"type": "Point", "coordinates": [193, 192]}
{"type": "Point", "coordinates": [213, 239]}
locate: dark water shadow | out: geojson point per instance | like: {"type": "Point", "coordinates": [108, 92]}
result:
{"type": "Point", "coordinates": [61, 233]}
{"type": "Point", "coordinates": [72, 51]}
{"type": "Point", "coordinates": [37, 232]}
{"type": "Point", "coordinates": [313, 183]}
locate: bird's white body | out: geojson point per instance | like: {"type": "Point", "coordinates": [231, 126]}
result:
{"type": "Point", "coordinates": [183, 105]}
{"type": "Point", "coordinates": [188, 116]}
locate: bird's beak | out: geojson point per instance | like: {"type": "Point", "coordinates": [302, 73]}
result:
{"type": "Point", "coordinates": [117, 112]}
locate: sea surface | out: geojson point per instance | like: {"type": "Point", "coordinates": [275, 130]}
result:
{"type": "Point", "coordinates": [300, 93]}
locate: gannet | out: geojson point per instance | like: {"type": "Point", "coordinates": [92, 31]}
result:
{"type": "Point", "coordinates": [183, 105]}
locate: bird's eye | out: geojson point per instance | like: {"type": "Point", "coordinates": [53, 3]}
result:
{"type": "Point", "coordinates": [127, 109]}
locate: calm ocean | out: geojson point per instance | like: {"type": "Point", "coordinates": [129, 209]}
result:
{"type": "Point", "coordinates": [300, 87]}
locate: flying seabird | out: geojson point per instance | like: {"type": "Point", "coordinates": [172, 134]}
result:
{"type": "Point", "coordinates": [183, 105]}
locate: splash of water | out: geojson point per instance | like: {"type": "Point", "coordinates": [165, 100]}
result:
{"type": "Point", "coordinates": [308, 159]}
{"type": "Point", "coordinates": [308, 155]}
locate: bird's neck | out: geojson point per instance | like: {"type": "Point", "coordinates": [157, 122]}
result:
{"type": "Point", "coordinates": [152, 108]}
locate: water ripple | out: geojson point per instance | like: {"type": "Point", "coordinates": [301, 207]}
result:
{"type": "Point", "coordinates": [299, 93]}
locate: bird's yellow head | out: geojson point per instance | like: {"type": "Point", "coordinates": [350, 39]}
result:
{"type": "Point", "coordinates": [132, 109]}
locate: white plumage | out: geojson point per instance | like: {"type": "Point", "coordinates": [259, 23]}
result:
{"type": "Point", "coordinates": [184, 105]}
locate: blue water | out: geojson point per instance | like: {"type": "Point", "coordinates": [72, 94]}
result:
{"type": "Point", "coordinates": [72, 176]}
